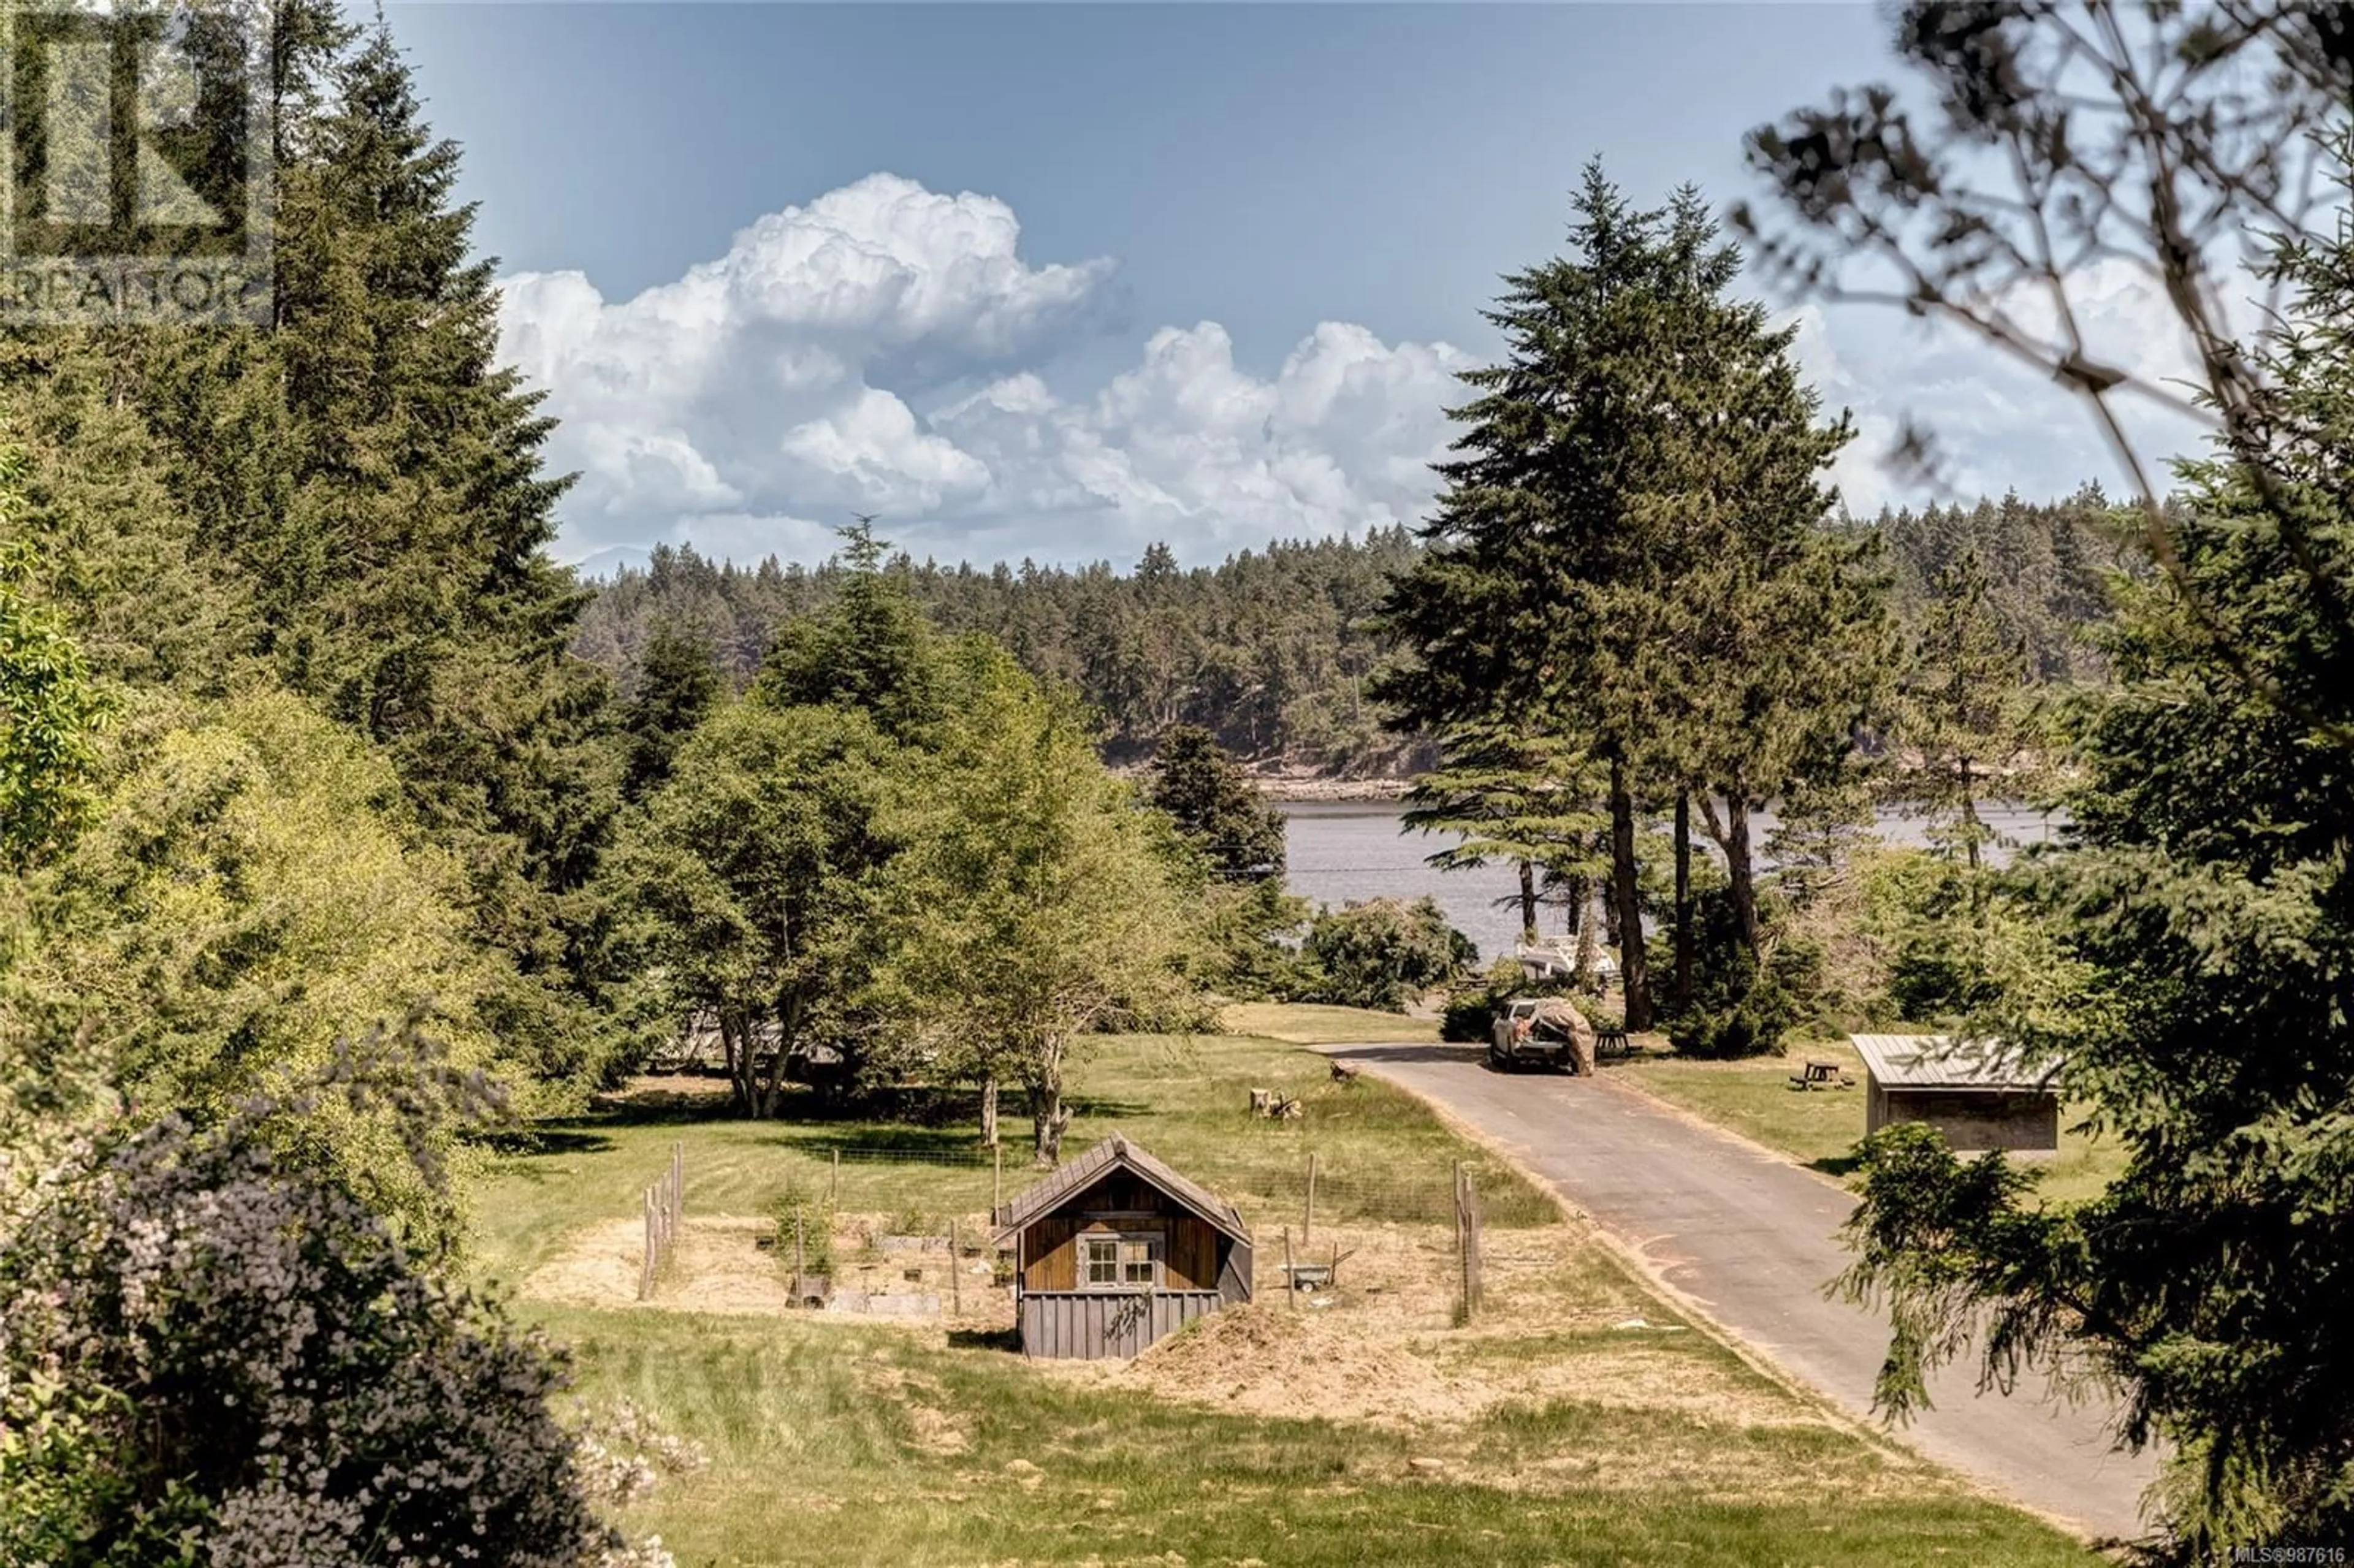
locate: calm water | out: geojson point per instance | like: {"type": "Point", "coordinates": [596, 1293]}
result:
{"type": "Point", "coordinates": [1345, 850]}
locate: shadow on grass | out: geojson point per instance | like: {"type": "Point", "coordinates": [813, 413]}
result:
{"type": "Point", "coordinates": [984, 1340]}
{"type": "Point", "coordinates": [1839, 1165]}
{"type": "Point", "coordinates": [957, 1147]}
{"type": "Point", "coordinates": [574, 1136]}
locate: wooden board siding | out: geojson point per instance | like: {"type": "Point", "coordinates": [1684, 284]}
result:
{"type": "Point", "coordinates": [1970, 1120]}
{"type": "Point", "coordinates": [1189, 1247]}
{"type": "Point", "coordinates": [1100, 1325]}
{"type": "Point", "coordinates": [1050, 1261]}
{"type": "Point", "coordinates": [1192, 1256]}
{"type": "Point", "coordinates": [1235, 1277]}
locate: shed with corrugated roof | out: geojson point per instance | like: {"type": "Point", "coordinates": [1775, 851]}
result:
{"type": "Point", "coordinates": [1978, 1094]}
{"type": "Point", "coordinates": [1115, 1249]}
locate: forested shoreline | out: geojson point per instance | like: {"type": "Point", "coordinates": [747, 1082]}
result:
{"type": "Point", "coordinates": [346, 839]}
{"type": "Point", "coordinates": [1272, 650]}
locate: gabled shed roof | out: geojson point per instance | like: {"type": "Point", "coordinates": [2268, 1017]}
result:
{"type": "Point", "coordinates": [1940, 1061]}
{"type": "Point", "coordinates": [1116, 1153]}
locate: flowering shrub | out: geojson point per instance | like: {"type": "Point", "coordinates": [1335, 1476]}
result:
{"type": "Point", "coordinates": [215, 1355]}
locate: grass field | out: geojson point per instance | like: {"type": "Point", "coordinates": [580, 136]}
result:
{"type": "Point", "coordinates": [1578, 1420]}
{"type": "Point", "coordinates": [1819, 1129]}
{"type": "Point", "coordinates": [1299, 1024]}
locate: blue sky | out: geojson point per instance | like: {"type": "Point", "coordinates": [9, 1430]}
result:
{"type": "Point", "coordinates": [1193, 272]}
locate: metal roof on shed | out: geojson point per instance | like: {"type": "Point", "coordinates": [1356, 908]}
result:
{"type": "Point", "coordinates": [1116, 1153]}
{"type": "Point", "coordinates": [1940, 1061]}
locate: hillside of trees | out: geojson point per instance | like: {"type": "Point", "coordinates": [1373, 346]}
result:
{"type": "Point", "coordinates": [1274, 651]}
{"type": "Point", "coordinates": [345, 838]}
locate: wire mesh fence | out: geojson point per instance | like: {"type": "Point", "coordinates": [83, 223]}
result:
{"type": "Point", "coordinates": [1300, 1186]}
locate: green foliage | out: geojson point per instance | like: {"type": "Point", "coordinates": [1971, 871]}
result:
{"type": "Point", "coordinates": [364, 483]}
{"type": "Point", "coordinates": [1383, 953]}
{"type": "Point", "coordinates": [1246, 937]}
{"type": "Point", "coordinates": [1741, 1005]}
{"type": "Point", "coordinates": [871, 650]}
{"type": "Point", "coordinates": [49, 708]}
{"type": "Point", "coordinates": [1035, 900]}
{"type": "Point", "coordinates": [678, 685]}
{"type": "Point", "coordinates": [214, 1353]}
{"type": "Point", "coordinates": [1214, 805]}
{"type": "Point", "coordinates": [1270, 651]}
{"type": "Point", "coordinates": [754, 875]}
{"type": "Point", "coordinates": [804, 1216]}
{"type": "Point", "coordinates": [1964, 706]}
{"type": "Point", "coordinates": [2043, 569]}
{"type": "Point", "coordinates": [1470, 1015]}
{"type": "Point", "coordinates": [245, 898]}
{"type": "Point", "coordinates": [1511, 795]}
{"type": "Point", "coordinates": [2198, 918]}
{"type": "Point", "coordinates": [1630, 552]}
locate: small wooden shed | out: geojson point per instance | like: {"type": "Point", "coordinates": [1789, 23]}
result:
{"type": "Point", "coordinates": [1115, 1249]}
{"type": "Point", "coordinates": [1977, 1095]}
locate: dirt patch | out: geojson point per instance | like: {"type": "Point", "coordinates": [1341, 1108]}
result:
{"type": "Point", "coordinates": [720, 1266]}
{"type": "Point", "coordinates": [1382, 1348]}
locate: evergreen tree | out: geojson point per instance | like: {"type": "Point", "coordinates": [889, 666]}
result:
{"type": "Point", "coordinates": [871, 649]}
{"type": "Point", "coordinates": [678, 684]}
{"type": "Point", "coordinates": [1513, 796]}
{"type": "Point", "coordinates": [2189, 972]}
{"type": "Point", "coordinates": [371, 474]}
{"type": "Point", "coordinates": [1630, 552]}
{"type": "Point", "coordinates": [1211, 801]}
{"type": "Point", "coordinates": [1965, 704]}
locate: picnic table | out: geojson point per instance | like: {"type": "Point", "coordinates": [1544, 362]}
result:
{"type": "Point", "coordinates": [1612, 1043]}
{"type": "Point", "coordinates": [1822, 1075]}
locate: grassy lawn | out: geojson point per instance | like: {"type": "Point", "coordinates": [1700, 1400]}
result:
{"type": "Point", "coordinates": [1819, 1129]}
{"type": "Point", "coordinates": [849, 1447]}
{"type": "Point", "coordinates": [1304, 1023]}
{"type": "Point", "coordinates": [1379, 1153]}
{"type": "Point", "coordinates": [1578, 1421]}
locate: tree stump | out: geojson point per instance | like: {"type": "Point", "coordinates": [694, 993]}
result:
{"type": "Point", "coordinates": [1262, 1102]}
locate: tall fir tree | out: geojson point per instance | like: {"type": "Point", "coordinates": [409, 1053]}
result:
{"type": "Point", "coordinates": [373, 477]}
{"type": "Point", "coordinates": [1964, 706]}
{"type": "Point", "coordinates": [2187, 964]}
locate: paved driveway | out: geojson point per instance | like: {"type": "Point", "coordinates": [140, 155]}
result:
{"type": "Point", "coordinates": [1750, 1237]}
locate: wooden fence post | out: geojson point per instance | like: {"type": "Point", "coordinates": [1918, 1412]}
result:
{"type": "Point", "coordinates": [1471, 1226]}
{"type": "Point", "coordinates": [1462, 1243]}
{"type": "Point", "coordinates": [996, 1181]}
{"type": "Point", "coordinates": [1290, 1282]}
{"type": "Point", "coordinates": [834, 1182]}
{"type": "Point", "coordinates": [1308, 1220]}
{"type": "Point", "coordinates": [956, 1272]}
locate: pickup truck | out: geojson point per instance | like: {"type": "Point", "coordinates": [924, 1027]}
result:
{"type": "Point", "coordinates": [1526, 1034]}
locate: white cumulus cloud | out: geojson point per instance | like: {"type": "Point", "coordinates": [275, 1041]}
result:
{"type": "Point", "coordinates": [879, 351]}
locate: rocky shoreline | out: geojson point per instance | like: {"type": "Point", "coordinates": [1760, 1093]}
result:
{"type": "Point", "coordinates": [1299, 788]}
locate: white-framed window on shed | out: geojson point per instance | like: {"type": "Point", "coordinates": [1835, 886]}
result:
{"type": "Point", "coordinates": [1119, 1262]}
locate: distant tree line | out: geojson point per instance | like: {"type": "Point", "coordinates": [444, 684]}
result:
{"type": "Point", "coordinates": [1271, 650]}
{"type": "Point", "coordinates": [1276, 651]}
